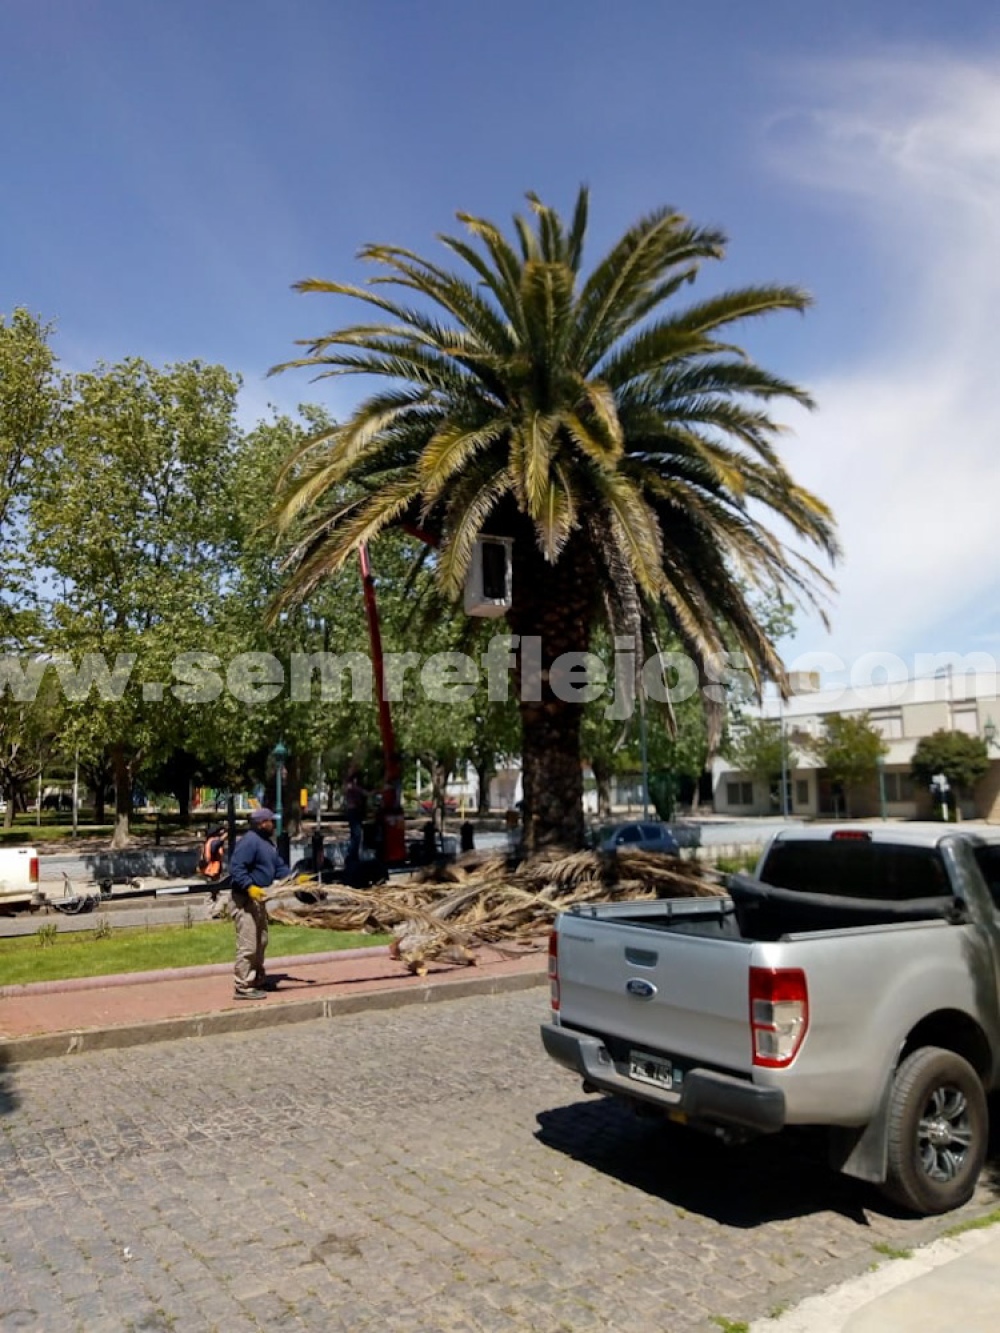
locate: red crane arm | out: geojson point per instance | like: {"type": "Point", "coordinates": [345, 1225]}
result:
{"type": "Point", "coordinates": [393, 772]}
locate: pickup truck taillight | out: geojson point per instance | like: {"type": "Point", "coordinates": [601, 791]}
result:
{"type": "Point", "coordinates": [554, 970]}
{"type": "Point", "coordinates": [779, 1014]}
{"type": "Point", "coordinates": [33, 870]}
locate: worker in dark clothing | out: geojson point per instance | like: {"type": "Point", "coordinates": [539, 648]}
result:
{"type": "Point", "coordinates": [254, 866]}
{"type": "Point", "coordinates": [355, 807]}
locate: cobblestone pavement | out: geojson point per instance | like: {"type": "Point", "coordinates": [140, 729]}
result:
{"type": "Point", "coordinates": [416, 1169]}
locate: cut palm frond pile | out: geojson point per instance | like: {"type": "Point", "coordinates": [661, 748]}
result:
{"type": "Point", "coordinates": [443, 913]}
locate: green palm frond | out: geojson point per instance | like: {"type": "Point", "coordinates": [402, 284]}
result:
{"type": "Point", "coordinates": [536, 438]}
{"type": "Point", "coordinates": [557, 516]}
{"type": "Point", "coordinates": [635, 525]}
{"type": "Point", "coordinates": [506, 263]}
{"type": "Point", "coordinates": [451, 448]}
{"type": "Point", "coordinates": [618, 292]}
{"type": "Point", "coordinates": [470, 509]}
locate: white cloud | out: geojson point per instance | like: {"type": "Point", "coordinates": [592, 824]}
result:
{"type": "Point", "coordinates": [905, 446]}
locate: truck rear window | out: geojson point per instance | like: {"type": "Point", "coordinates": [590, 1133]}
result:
{"type": "Point", "coordinates": [989, 863]}
{"type": "Point", "coordinates": [857, 869]}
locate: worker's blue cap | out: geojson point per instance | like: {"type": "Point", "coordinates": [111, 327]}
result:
{"type": "Point", "coordinates": [261, 816]}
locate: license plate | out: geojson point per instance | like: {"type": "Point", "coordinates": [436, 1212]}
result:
{"type": "Point", "coordinates": [650, 1069]}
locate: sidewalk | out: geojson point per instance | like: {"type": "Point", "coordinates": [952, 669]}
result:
{"type": "Point", "coordinates": [100, 1013]}
{"type": "Point", "coordinates": [950, 1286]}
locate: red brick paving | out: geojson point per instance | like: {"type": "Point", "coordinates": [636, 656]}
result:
{"type": "Point", "coordinates": [142, 999]}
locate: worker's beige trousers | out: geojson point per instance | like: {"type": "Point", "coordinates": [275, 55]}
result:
{"type": "Point", "coordinates": [250, 917]}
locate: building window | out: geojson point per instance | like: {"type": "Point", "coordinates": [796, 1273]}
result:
{"type": "Point", "coordinates": [965, 720]}
{"type": "Point", "coordinates": [739, 793]}
{"type": "Point", "coordinates": [898, 787]}
{"type": "Point", "coordinates": [801, 791]}
{"type": "Point", "coordinates": [888, 722]}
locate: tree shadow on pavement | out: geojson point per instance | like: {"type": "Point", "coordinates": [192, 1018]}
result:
{"type": "Point", "coordinates": [9, 1100]}
{"type": "Point", "coordinates": [774, 1178]}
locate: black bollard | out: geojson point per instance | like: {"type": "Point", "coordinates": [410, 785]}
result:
{"type": "Point", "coordinates": [467, 836]}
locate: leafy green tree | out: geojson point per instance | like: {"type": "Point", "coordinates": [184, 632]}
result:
{"type": "Point", "coordinates": [31, 395]}
{"type": "Point", "coordinates": [758, 749]}
{"type": "Point", "coordinates": [961, 758]}
{"type": "Point", "coordinates": [31, 737]}
{"type": "Point", "coordinates": [849, 750]}
{"type": "Point", "coordinates": [495, 740]}
{"type": "Point", "coordinates": [130, 523]}
{"type": "Point", "coordinates": [628, 451]}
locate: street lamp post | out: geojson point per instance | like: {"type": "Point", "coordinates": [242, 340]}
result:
{"type": "Point", "coordinates": [880, 764]}
{"type": "Point", "coordinates": [280, 754]}
{"type": "Point", "coordinates": [644, 755]}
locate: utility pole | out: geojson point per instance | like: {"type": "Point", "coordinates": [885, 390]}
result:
{"type": "Point", "coordinates": [784, 755]}
{"type": "Point", "coordinates": [645, 756]}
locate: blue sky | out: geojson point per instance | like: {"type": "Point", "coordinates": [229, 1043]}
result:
{"type": "Point", "coordinates": [168, 170]}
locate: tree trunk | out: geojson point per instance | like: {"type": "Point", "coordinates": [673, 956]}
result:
{"type": "Point", "coordinates": [96, 776]}
{"type": "Point", "coordinates": [441, 771]}
{"type": "Point", "coordinates": [484, 774]}
{"type": "Point", "coordinates": [123, 798]}
{"type": "Point", "coordinates": [556, 603]}
{"type": "Point", "coordinates": [183, 793]}
{"type": "Point", "coordinates": [602, 776]}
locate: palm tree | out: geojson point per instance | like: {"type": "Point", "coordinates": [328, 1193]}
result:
{"type": "Point", "coordinates": [623, 445]}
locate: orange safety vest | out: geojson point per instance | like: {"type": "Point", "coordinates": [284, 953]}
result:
{"type": "Point", "coordinates": [210, 864]}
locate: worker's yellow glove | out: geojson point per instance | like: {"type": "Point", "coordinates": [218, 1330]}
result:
{"type": "Point", "coordinates": [257, 893]}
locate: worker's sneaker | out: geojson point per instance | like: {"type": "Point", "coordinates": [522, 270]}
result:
{"type": "Point", "coordinates": [251, 994]}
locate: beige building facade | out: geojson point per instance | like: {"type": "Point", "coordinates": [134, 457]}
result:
{"type": "Point", "coordinates": [904, 713]}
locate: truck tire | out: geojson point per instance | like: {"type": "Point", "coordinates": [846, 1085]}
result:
{"type": "Point", "coordinates": [937, 1133]}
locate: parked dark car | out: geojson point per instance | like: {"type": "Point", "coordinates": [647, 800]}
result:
{"type": "Point", "coordinates": [686, 834]}
{"type": "Point", "coordinates": [641, 836]}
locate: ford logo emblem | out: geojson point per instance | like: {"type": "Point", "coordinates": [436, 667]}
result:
{"type": "Point", "coordinates": [643, 990]}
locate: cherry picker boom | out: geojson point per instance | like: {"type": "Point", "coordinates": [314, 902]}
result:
{"type": "Point", "coordinates": [390, 817]}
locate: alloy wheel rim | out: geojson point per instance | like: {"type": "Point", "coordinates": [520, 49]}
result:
{"type": "Point", "coordinates": [944, 1133]}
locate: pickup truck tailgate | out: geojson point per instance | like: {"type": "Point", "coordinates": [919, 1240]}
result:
{"type": "Point", "coordinates": [677, 993]}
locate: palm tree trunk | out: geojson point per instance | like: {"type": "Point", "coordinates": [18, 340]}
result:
{"type": "Point", "coordinates": [553, 605]}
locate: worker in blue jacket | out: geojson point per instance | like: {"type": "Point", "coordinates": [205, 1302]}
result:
{"type": "Point", "coordinates": [253, 867]}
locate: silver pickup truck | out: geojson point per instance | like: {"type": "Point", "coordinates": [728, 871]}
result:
{"type": "Point", "coordinates": [851, 983]}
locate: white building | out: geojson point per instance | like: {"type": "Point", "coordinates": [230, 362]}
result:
{"type": "Point", "coordinates": [903, 712]}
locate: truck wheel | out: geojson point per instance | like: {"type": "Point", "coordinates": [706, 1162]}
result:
{"type": "Point", "coordinates": [938, 1131]}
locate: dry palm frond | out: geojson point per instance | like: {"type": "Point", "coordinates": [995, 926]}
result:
{"type": "Point", "coordinates": [442, 914]}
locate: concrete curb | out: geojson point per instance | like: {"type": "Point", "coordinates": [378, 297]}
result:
{"type": "Point", "coordinates": [179, 973]}
{"type": "Point", "coordinates": [19, 1050]}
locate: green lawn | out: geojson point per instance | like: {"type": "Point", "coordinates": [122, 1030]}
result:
{"type": "Point", "coordinates": [25, 834]}
{"type": "Point", "coordinates": [47, 957]}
